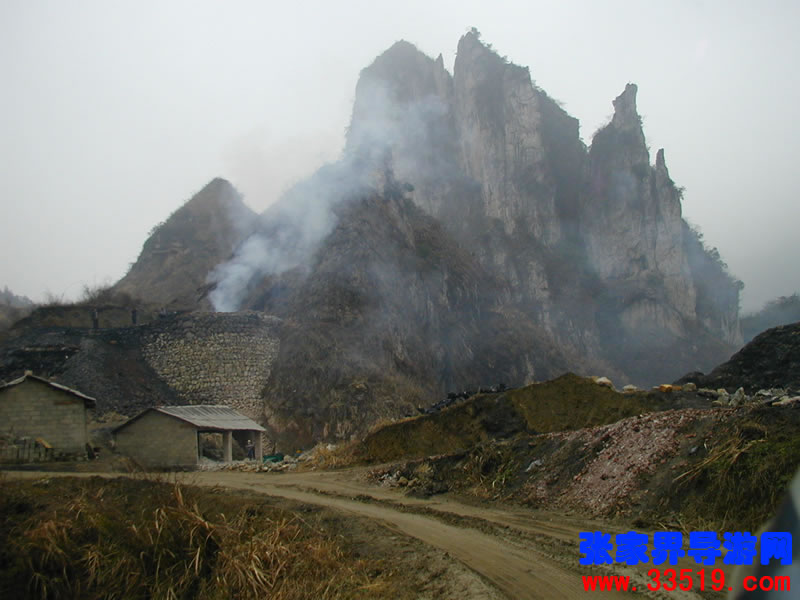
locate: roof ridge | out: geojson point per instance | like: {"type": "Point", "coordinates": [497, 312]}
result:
{"type": "Point", "coordinates": [59, 386]}
{"type": "Point", "coordinates": [223, 417]}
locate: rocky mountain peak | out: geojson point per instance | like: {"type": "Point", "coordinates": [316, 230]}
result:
{"type": "Point", "coordinates": [471, 41]}
{"type": "Point", "coordinates": [180, 252]}
{"type": "Point", "coordinates": [501, 164]}
{"type": "Point", "coordinates": [218, 201]}
{"type": "Point", "coordinates": [218, 189]}
{"type": "Point", "coordinates": [623, 138]}
{"type": "Point", "coordinates": [465, 234]}
{"type": "Point", "coordinates": [404, 72]}
{"type": "Point", "coordinates": [660, 162]}
{"type": "Point", "coordinates": [625, 114]}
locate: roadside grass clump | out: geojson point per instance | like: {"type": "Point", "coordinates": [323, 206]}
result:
{"type": "Point", "coordinates": [323, 457]}
{"type": "Point", "coordinates": [129, 539]}
{"type": "Point", "coordinates": [489, 470]}
{"type": "Point", "coordinates": [744, 476]}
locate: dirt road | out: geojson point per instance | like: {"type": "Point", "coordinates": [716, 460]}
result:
{"type": "Point", "coordinates": [523, 554]}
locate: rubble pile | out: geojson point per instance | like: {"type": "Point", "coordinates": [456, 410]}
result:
{"type": "Point", "coordinates": [287, 463]}
{"type": "Point", "coordinates": [623, 453]}
{"type": "Point", "coordinates": [419, 478]}
{"type": "Point", "coordinates": [766, 397]}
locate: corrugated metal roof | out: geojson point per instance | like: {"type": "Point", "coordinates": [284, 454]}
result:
{"type": "Point", "coordinates": [211, 417]}
{"type": "Point", "coordinates": [88, 400]}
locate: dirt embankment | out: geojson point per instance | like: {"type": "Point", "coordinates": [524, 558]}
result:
{"type": "Point", "coordinates": [566, 403]}
{"type": "Point", "coordinates": [721, 466]}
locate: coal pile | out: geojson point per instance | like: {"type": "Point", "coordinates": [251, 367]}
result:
{"type": "Point", "coordinates": [771, 360]}
{"type": "Point", "coordinates": [454, 397]}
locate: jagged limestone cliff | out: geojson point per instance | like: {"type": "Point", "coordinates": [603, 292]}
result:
{"type": "Point", "coordinates": [466, 237]}
{"type": "Point", "coordinates": [392, 312]}
{"type": "Point", "coordinates": [591, 242]}
{"type": "Point", "coordinates": [578, 258]}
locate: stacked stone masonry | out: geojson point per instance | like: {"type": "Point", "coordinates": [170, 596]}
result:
{"type": "Point", "coordinates": [215, 358]}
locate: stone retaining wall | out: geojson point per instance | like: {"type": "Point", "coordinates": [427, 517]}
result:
{"type": "Point", "coordinates": [215, 358]}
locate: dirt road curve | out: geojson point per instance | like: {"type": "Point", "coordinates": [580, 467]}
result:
{"type": "Point", "coordinates": [518, 572]}
{"type": "Point", "coordinates": [518, 566]}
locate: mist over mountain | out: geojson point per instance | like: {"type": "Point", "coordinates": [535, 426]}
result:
{"type": "Point", "coordinates": [12, 307]}
{"type": "Point", "coordinates": [466, 237]}
{"type": "Point", "coordinates": [780, 311]}
{"type": "Point", "coordinates": [579, 255]}
{"type": "Point", "coordinates": [9, 298]}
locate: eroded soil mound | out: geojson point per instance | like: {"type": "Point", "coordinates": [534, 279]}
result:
{"type": "Point", "coordinates": [566, 403]}
{"type": "Point", "coordinates": [672, 458]}
{"type": "Point", "coordinates": [722, 466]}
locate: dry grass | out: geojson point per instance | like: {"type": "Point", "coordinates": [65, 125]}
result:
{"type": "Point", "coordinates": [130, 539]}
{"type": "Point", "coordinates": [743, 477]}
{"type": "Point", "coordinates": [334, 458]}
{"type": "Point", "coordinates": [488, 469]}
{"type": "Point", "coordinates": [724, 456]}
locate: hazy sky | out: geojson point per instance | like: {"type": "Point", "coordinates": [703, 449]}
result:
{"type": "Point", "coordinates": [112, 113]}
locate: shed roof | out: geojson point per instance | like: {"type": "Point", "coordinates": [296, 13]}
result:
{"type": "Point", "coordinates": [87, 400]}
{"type": "Point", "coordinates": [205, 416]}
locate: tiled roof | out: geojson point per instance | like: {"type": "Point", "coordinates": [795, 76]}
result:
{"type": "Point", "coordinates": [88, 400]}
{"type": "Point", "coordinates": [206, 416]}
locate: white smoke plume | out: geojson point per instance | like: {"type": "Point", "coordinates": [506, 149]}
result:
{"type": "Point", "coordinates": [287, 235]}
{"type": "Point", "coordinates": [291, 230]}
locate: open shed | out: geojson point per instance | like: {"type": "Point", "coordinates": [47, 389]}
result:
{"type": "Point", "coordinates": [169, 436]}
{"type": "Point", "coordinates": [35, 410]}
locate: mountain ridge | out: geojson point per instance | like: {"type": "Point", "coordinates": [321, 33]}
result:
{"type": "Point", "coordinates": [467, 236]}
{"type": "Point", "coordinates": [587, 257]}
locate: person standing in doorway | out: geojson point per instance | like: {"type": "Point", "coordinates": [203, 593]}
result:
{"type": "Point", "coordinates": [251, 450]}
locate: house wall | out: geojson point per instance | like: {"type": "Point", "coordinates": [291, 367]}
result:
{"type": "Point", "coordinates": [158, 440]}
{"type": "Point", "coordinates": [35, 409]}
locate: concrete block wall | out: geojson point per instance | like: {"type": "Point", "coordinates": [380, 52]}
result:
{"type": "Point", "coordinates": [158, 440]}
{"type": "Point", "coordinates": [215, 358]}
{"type": "Point", "coordinates": [35, 409]}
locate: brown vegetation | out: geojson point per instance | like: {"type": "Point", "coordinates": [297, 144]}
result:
{"type": "Point", "coordinates": [146, 539]}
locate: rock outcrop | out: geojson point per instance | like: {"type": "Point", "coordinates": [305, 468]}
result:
{"type": "Point", "coordinates": [391, 312]}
